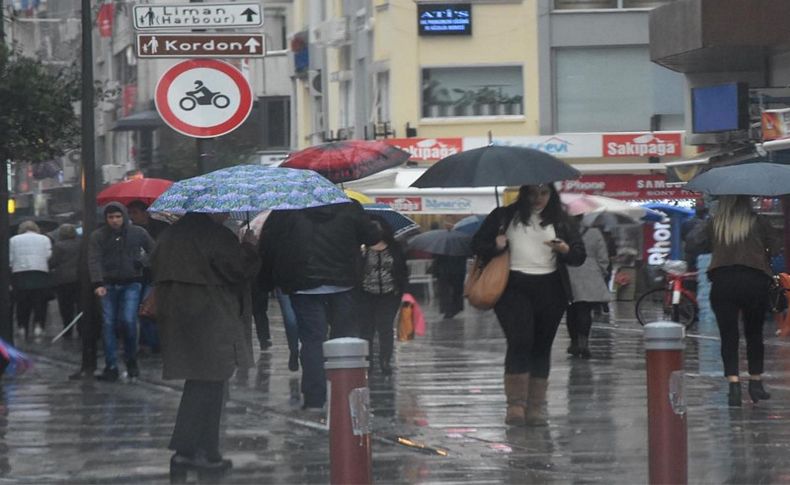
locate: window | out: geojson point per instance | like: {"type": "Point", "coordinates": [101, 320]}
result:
{"type": "Point", "coordinates": [275, 29]}
{"type": "Point", "coordinates": [594, 4]}
{"type": "Point", "coordinates": [381, 91]}
{"type": "Point", "coordinates": [276, 115]}
{"type": "Point", "coordinates": [615, 89]}
{"type": "Point", "coordinates": [472, 91]}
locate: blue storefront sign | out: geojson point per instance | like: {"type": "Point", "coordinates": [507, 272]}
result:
{"type": "Point", "coordinates": [444, 19]}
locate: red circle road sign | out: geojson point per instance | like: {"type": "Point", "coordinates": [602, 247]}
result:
{"type": "Point", "coordinates": [203, 98]}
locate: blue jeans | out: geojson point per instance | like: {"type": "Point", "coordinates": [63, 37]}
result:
{"type": "Point", "coordinates": [315, 314]}
{"type": "Point", "coordinates": [289, 320]}
{"type": "Point", "coordinates": [119, 307]}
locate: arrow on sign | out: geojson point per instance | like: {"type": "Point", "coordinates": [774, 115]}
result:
{"type": "Point", "coordinates": [252, 45]}
{"type": "Point", "coordinates": [249, 13]}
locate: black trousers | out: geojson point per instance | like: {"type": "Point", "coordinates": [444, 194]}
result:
{"type": "Point", "coordinates": [734, 290]}
{"type": "Point", "coordinates": [579, 319]}
{"type": "Point", "coordinates": [31, 301]}
{"type": "Point", "coordinates": [376, 315]}
{"type": "Point", "coordinates": [68, 301]}
{"type": "Point", "coordinates": [198, 419]}
{"type": "Point", "coordinates": [529, 312]}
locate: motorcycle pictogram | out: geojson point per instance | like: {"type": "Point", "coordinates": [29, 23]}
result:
{"type": "Point", "coordinates": [203, 96]}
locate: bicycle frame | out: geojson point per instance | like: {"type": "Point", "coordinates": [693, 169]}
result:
{"type": "Point", "coordinates": [675, 290]}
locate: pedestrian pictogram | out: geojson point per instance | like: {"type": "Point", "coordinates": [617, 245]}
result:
{"type": "Point", "coordinates": [203, 98]}
{"type": "Point", "coordinates": [200, 45]}
{"type": "Point", "coordinates": [191, 15]}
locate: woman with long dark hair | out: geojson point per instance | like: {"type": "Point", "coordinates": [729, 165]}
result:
{"type": "Point", "coordinates": [542, 241]}
{"type": "Point", "coordinates": [384, 279]}
{"type": "Point", "coordinates": [741, 243]}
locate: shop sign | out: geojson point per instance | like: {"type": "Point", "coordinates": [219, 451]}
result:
{"type": "Point", "coordinates": [444, 19]}
{"type": "Point", "coordinates": [626, 187]}
{"type": "Point", "coordinates": [585, 145]}
{"type": "Point", "coordinates": [427, 149]}
{"type": "Point", "coordinates": [454, 205]}
{"type": "Point", "coordinates": [402, 204]}
{"type": "Point", "coordinates": [658, 242]}
{"type": "Point", "coordinates": [658, 144]}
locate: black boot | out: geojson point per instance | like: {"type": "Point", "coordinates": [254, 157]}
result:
{"type": "Point", "coordinates": [573, 348]}
{"type": "Point", "coordinates": [734, 397]}
{"type": "Point", "coordinates": [110, 374]}
{"type": "Point", "coordinates": [132, 370]}
{"type": "Point", "coordinates": [756, 390]}
{"type": "Point", "coordinates": [584, 349]}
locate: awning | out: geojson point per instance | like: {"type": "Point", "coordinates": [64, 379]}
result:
{"type": "Point", "coordinates": [144, 120]}
{"type": "Point", "coordinates": [681, 171]}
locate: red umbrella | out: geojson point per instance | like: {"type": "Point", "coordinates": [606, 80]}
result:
{"type": "Point", "coordinates": [347, 160]}
{"type": "Point", "coordinates": [145, 190]}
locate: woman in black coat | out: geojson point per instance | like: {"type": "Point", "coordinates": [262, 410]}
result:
{"type": "Point", "coordinates": [384, 279]}
{"type": "Point", "coordinates": [542, 241]}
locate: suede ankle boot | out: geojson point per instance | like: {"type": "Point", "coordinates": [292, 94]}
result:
{"type": "Point", "coordinates": [516, 389]}
{"type": "Point", "coordinates": [537, 414]}
{"type": "Point", "coordinates": [756, 390]}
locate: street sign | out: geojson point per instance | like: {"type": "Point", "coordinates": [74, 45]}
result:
{"type": "Point", "coordinates": [195, 16]}
{"type": "Point", "coordinates": [203, 98]}
{"type": "Point", "coordinates": [200, 45]}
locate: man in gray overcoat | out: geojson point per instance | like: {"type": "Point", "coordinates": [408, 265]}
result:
{"type": "Point", "coordinates": [201, 276]}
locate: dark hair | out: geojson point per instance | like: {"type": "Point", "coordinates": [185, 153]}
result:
{"type": "Point", "coordinates": [553, 213]}
{"type": "Point", "coordinates": [139, 204]}
{"type": "Point", "coordinates": [387, 235]}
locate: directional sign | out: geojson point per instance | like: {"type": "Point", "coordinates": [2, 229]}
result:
{"type": "Point", "coordinates": [203, 98]}
{"type": "Point", "coordinates": [202, 15]}
{"type": "Point", "coordinates": [200, 45]}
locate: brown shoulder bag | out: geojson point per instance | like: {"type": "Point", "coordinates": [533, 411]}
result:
{"type": "Point", "coordinates": [486, 283]}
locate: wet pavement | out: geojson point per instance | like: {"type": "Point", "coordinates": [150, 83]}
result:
{"type": "Point", "coordinates": [445, 397]}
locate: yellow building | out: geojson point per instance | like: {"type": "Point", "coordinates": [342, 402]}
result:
{"type": "Point", "coordinates": [442, 69]}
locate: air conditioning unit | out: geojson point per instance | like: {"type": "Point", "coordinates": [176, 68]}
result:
{"type": "Point", "coordinates": [315, 83]}
{"type": "Point", "coordinates": [112, 173]}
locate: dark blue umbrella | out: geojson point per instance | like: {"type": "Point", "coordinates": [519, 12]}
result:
{"type": "Point", "coordinates": [469, 225]}
{"type": "Point", "coordinates": [403, 227]}
{"type": "Point", "coordinates": [762, 179]}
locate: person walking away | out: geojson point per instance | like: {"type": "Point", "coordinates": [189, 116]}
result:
{"type": "Point", "coordinates": [384, 279]}
{"type": "Point", "coordinates": [542, 241]}
{"type": "Point", "coordinates": [741, 243]}
{"type": "Point", "coordinates": [450, 273]}
{"type": "Point", "coordinates": [29, 253]}
{"type": "Point", "coordinates": [588, 289]}
{"type": "Point", "coordinates": [63, 266]}
{"type": "Point", "coordinates": [115, 261]}
{"type": "Point", "coordinates": [314, 256]}
{"type": "Point", "coordinates": [138, 213]}
{"type": "Point", "coordinates": [202, 274]}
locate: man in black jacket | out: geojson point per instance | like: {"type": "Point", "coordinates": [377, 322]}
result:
{"type": "Point", "coordinates": [314, 255]}
{"type": "Point", "coordinates": [115, 254]}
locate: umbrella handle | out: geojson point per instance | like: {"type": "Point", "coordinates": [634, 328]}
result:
{"type": "Point", "coordinates": [496, 195]}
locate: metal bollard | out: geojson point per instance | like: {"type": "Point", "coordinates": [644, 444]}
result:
{"type": "Point", "coordinates": [666, 403]}
{"type": "Point", "coordinates": [349, 410]}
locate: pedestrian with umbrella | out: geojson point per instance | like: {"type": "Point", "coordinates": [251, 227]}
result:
{"type": "Point", "coordinates": [202, 274]}
{"type": "Point", "coordinates": [741, 243]}
{"type": "Point", "coordinates": [450, 250]}
{"type": "Point", "coordinates": [542, 241]}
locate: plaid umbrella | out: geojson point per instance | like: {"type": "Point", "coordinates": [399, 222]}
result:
{"type": "Point", "coordinates": [347, 160]}
{"type": "Point", "coordinates": [246, 189]}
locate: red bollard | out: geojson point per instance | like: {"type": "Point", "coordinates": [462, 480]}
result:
{"type": "Point", "coordinates": [666, 403]}
{"type": "Point", "coordinates": [349, 410]}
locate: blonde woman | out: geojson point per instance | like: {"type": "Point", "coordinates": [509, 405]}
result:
{"type": "Point", "coordinates": [741, 243]}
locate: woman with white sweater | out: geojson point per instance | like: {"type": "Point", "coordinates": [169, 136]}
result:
{"type": "Point", "coordinates": [29, 253]}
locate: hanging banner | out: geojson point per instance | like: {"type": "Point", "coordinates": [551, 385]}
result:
{"type": "Point", "coordinates": [626, 187]}
{"type": "Point", "coordinates": [104, 19]}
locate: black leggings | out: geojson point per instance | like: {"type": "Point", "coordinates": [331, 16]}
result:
{"type": "Point", "coordinates": [579, 319]}
{"type": "Point", "coordinates": [737, 289]}
{"type": "Point", "coordinates": [529, 312]}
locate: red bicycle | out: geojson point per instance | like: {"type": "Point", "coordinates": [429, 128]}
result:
{"type": "Point", "coordinates": [673, 301]}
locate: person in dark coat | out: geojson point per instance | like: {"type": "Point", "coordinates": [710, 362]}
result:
{"type": "Point", "coordinates": [314, 256]}
{"type": "Point", "coordinates": [202, 274]}
{"type": "Point", "coordinates": [542, 241]}
{"type": "Point", "coordinates": [384, 279]}
{"type": "Point", "coordinates": [63, 268]}
{"type": "Point", "coordinates": [450, 272]}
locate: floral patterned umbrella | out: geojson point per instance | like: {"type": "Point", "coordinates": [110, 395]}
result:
{"type": "Point", "coordinates": [246, 189]}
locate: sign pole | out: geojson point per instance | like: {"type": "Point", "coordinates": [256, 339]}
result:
{"type": "Point", "coordinates": [202, 145]}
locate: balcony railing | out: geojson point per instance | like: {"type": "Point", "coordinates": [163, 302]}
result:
{"type": "Point", "coordinates": [607, 4]}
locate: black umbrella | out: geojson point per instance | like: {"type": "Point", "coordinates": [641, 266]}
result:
{"type": "Point", "coordinates": [443, 242]}
{"type": "Point", "coordinates": [494, 165]}
{"type": "Point", "coordinates": [762, 178]}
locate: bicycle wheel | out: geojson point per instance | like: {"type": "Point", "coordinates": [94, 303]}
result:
{"type": "Point", "coordinates": [656, 305]}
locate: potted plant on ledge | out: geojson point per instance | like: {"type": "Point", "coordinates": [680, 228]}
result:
{"type": "Point", "coordinates": [464, 105]}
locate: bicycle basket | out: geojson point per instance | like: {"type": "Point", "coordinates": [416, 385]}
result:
{"type": "Point", "coordinates": [675, 267]}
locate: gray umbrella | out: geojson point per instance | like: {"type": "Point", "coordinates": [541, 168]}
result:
{"type": "Point", "coordinates": [443, 242]}
{"type": "Point", "coordinates": [762, 179]}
